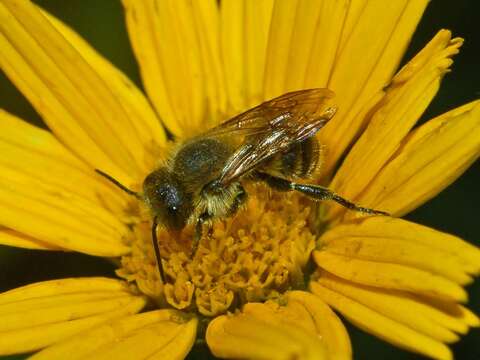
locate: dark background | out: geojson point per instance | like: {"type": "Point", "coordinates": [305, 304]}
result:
{"type": "Point", "coordinates": [456, 210]}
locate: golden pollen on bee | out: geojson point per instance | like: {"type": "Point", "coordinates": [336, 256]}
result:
{"type": "Point", "coordinates": [255, 255]}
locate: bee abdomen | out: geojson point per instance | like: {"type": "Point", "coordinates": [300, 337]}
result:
{"type": "Point", "coordinates": [300, 161]}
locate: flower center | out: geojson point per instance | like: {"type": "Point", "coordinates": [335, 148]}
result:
{"type": "Point", "coordinates": [255, 255]}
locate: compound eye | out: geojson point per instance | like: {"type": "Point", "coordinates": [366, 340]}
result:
{"type": "Point", "coordinates": [150, 180]}
{"type": "Point", "coordinates": [177, 206]}
{"type": "Point", "coordinates": [171, 197]}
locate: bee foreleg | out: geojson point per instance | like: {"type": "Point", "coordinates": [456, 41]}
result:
{"type": "Point", "coordinates": [202, 219]}
{"type": "Point", "coordinates": [157, 249]}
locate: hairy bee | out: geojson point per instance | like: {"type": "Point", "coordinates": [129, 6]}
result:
{"type": "Point", "coordinates": [273, 143]}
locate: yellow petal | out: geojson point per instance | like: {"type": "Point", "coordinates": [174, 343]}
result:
{"type": "Point", "coordinates": [464, 315]}
{"type": "Point", "coordinates": [291, 314]}
{"type": "Point", "coordinates": [256, 27]}
{"type": "Point", "coordinates": [207, 22]}
{"type": "Point", "coordinates": [266, 331]}
{"type": "Point", "coordinates": [176, 45]}
{"type": "Point", "coordinates": [406, 99]}
{"type": "Point", "coordinates": [280, 37]}
{"type": "Point", "coordinates": [303, 34]}
{"type": "Point", "coordinates": [62, 287]}
{"type": "Point", "coordinates": [180, 346]}
{"type": "Point", "coordinates": [33, 313]}
{"type": "Point", "coordinates": [302, 44]}
{"type": "Point", "coordinates": [70, 94]}
{"type": "Point", "coordinates": [375, 36]}
{"type": "Point", "coordinates": [325, 44]}
{"type": "Point", "coordinates": [11, 237]}
{"type": "Point", "coordinates": [464, 254]}
{"type": "Point", "coordinates": [162, 334]}
{"type": "Point", "coordinates": [296, 40]}
{"type": "Point", "coordinates": [430, 159]}
{"type": "Point", "coordinates": [329, 327]}
{"type": "Point", "coordinates": [38, 315]}
{"type": "Point", "coordinates": [58, 218]}
{"type": "Point", "coordinates": [38, 337]}
{"type": "Point", "coordinates": [144, 34]}
{"type": "Point", "coordinates": [470, 317]}
{"type": "Point", "coordinates": [400, 307]}
{"type": "Point", "coordinates": [232, 19]}
{"type": "Point", "coordinates": [380, 325]}
{"type": "Point", "coordinates": [41, 202]}
{"type": "Point", "coordinates": [38, 154]}
{"type": "Point", "coordinates": [399, 252]}
{"type": "Point", "coordinates": [396, 241]}
{"type": "Point", "coordinates": [147, 128]}
{"type": "Point", "coordinates": [389, 276]}
{"type": "Point", "coordinates": [244, 34]}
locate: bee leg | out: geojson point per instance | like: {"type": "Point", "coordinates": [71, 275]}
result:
{"type": "Point", "coordinates": [320, 193]}
{"type": "Point", "coordinates": [157, 249]}
{"type": "Point", "coordinates": [316, 192]}
{"type": "Point", "coordinates": [274, 182]}
{"type": "Point", "coordinates": [239, 200]}
{"type": "Point", "coordinates": [202, 219]}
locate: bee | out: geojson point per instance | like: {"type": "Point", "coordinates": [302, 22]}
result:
{"type": "Point", "coordinates": [273, 143]}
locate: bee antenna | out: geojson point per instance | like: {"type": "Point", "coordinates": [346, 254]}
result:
{"type": "Point", "coordinates": [117, 183]}
{"type": "Point", "coordinates": [154, 223]}
{"type": "Point", "coordinates": [157, 249]}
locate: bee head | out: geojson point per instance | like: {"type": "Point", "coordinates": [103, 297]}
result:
{"type": "Point", "coordinates": [168, 199]}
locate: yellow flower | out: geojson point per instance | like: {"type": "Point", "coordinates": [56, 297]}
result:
{"type": "Point", "coordinates": [264, 284]}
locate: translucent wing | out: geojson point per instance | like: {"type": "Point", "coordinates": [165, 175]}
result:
{"type": "Point", "coordinates": [274, 126]}
{"type": "Point", "coordinates": [273, 113]}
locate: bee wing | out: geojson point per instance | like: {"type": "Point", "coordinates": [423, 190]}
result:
{"type": "Point", "coordinates": [271, 114]}
{"type": "Point", "coordinates": [273, 127]}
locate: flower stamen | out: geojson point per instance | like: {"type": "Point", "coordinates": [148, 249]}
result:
{"type": "Point", "coordinates": [252, 256]}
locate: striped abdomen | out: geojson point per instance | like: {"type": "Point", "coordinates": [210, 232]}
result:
{"type": "Point", "coordinates": [300, 161]}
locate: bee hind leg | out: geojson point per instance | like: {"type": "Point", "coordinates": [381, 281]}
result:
{"type": "Point", "coordinates": [316, 192]}
{"type": "Point", "coordinates": [320, 193]}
